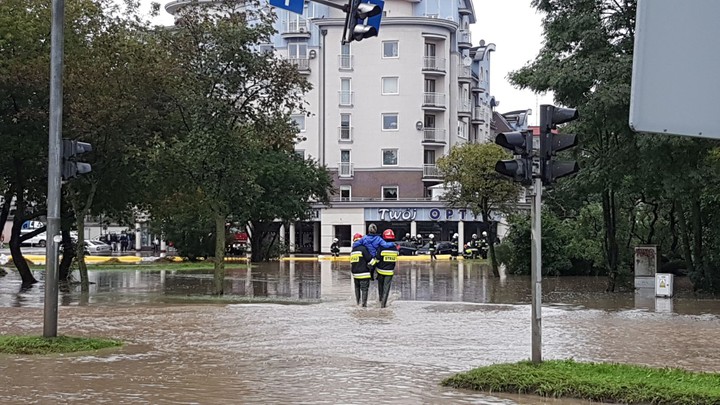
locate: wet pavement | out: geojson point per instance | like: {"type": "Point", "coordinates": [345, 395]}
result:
{"type": "Point", "coordinates": [443, 318]}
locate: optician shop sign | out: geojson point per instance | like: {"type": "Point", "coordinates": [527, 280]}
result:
{"type": "Point", "coordinates": [419, 214]}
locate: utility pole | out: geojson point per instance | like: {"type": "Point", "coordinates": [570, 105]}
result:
{"type": "Point", "coordinates": [536, 255]}
{"type": "Point", "coordinates": [54, 157]}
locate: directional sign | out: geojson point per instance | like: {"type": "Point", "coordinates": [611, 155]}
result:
{"type": "Point", "coordinates": [296, 6]}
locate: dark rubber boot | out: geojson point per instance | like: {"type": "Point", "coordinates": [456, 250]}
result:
{"type": "Point", "coordinates": [364, 287]}
{"type": "Point", "coordinates": [357, 291]}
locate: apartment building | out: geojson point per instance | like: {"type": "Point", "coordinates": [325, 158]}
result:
{"type": "Point", "coordinates": [383, 111]}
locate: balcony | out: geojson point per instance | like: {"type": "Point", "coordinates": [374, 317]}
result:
{"type": "Point", "coordinates": [478, 115]}
{"type": "Point", "coordinates": [346, 169]}
{"type": "Point", "coordinates": [433, 65]}
{"type": "Point", "coordinates": [464, 9]}
{"type": "Point", "coordinates": [464, 39]}
{"type": "Point", "coordinates": [434, 101]}
{"type": "Point", "coordinates": [431, 172]}
{"type": "Point", "coordinates": [434, 135]}
{"type": "Point", "coordinates": [345, 134]}
{"type": "Point", "coordinates": [478, 88]}
{"type": "Point", "coordinates": [296, 29]}
{"type": "Point", "coordinates": [302, 64]}
{"type": "Point", "coordinates": [346, 98]}
{"type": "Point", "coordinates": [464, 108]}
{"type": "Point", "coordinates": [345, 62]}
{"type": "Point", "coordinates": [464, 74]}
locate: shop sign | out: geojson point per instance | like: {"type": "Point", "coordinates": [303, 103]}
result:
{"type": "Point", "coordinates": [313, 214]}
{"type": "Point", "coordinates": [419, 214]}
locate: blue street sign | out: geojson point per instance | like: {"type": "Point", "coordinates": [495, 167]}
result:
{"type": "Point", "coordinates": [296, 6]}
{"type": "Point", "coordinates": [375, 21]}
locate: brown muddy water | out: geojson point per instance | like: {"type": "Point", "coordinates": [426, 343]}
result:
{"type": "Point", "coordinates": [443, 318]}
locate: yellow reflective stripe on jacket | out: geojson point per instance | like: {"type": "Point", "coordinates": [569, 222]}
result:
{"type": "Point", "coordinates": [361, 275]}
{"type": "Point", "coordinates": [355, 257]}
{"type": "Point", "coordinates": [385, 272]}
{"type": "Point", "coordinates": [389, 255]}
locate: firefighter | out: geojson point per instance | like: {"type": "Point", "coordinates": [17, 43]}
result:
{"type": "Point", "coordinates": [407, 238]}
{"type": "Point", "coordinates": [471, 249]}
{"type": "Point", "coordinates": [335, 248]}
{"type": "Point", "coordinates": [419, 242]}
{"type": "Point", "coordinates": [362, 271]}
{"type": "Point", "coordinates": [386, 258]}
{"type": "Point", "coordinates": [454, 247]}
{"type": "Point", "coordinates": [483, 246]}
{"type": "Point", "coordinates": [432, 247]}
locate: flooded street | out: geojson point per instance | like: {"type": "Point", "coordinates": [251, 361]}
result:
{"type": "Point", "coordinates": [444, 318]}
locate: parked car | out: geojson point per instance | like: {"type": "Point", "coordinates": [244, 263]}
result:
{"type": "Point", "coordinates": [37, 240]}
{"type": "Point", "coordinates": [406, 248]}
{"type": "Point", "coordinates": [441, 248]}
{"type": "Point", "coordinates": [97, 248]}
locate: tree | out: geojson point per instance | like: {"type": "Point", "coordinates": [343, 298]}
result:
{"type": "Point", "coordinates": [233, 102]}
{"type": "Point", "coordinates": [472, 182]}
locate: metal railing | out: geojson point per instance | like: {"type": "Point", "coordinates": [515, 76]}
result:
{"type": "Point", "coordinates": [300, 63]}
{"type": "Point", "coordinates": [430, 171]}
{"type": "Point", "coordinates": [346, 97]}
{"type": "Point", "coordinates": [464, 72]}
{"type": "Point", "coordinates": [346, 169]}
{"type": "Point", "coordinates": [464, 106]}
{"type": "Point", "coordinates": [345, 62]}
{"type": "Point", "coordinates": [297, 26]}
{"type": "Point", "coordinates": [434, 135]}
{"type": "Point", "coordinates": [434, 99]}
{"type": "Point", "coordinates": [434, 63]}
{"type": "Point", "coordinates": [345, 134]}
{"type": "Point", "coordinates": [478, 114]}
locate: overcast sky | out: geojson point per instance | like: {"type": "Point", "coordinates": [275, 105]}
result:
{"type": "Point", "coordinates": [512, 25]}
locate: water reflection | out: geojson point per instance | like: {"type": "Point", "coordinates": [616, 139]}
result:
{"type": "Point", "coordinates": [331, 281]}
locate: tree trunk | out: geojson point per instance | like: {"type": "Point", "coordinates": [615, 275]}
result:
{"type": "Point", "coordinates": [80, 254]}
{"type": "Point", "coordinates": [219, 277]}
{"type": "Point", "coordinates": [17, 256]}
{"type": "Point", "coordinates": [611, 247]}
{"type": "Point", "coordinates": [673, 222]}
{"type": "Point", "coordinates": [5, 211]}
{"type": "Point", "coordinates": [67, 257]}
{"type": "Point", "coordinates": [257, 236]}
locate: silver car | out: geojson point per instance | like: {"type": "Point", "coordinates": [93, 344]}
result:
{"type": "Point", "coordinates": [97, 248]}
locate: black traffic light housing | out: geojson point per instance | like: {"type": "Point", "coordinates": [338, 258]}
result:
{"type": "Point", "coordinates": [551, 144]}
{"type": "Point", "coordinates": [362, 20]}
{"type": "Point", "coordinates": [71, 167]}
{"type": "Point", "coordinates": [519, 143]}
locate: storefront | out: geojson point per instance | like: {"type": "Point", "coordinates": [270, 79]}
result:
{"type": "Point", "coordinates": [303, 236]}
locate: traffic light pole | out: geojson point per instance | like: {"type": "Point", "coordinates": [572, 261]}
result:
{"type": "Point", "coordinates": [536, 270]}
{"type": "Point", "coordinates": [54, 157]}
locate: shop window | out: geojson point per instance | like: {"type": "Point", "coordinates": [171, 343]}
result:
{"type": "Point", "coordinates": [342, 233]}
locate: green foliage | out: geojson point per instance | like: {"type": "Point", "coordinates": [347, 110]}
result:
{"type": "Point", "coordinates": [60, 344]}
{"type": "Point", "coordinates": [616, 383]}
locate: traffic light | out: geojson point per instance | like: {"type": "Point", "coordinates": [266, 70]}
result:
{"type": "Point", "coordinates": [362, 20]}
{"type": "Point", "coordinates": [551, 144]}
{"type": "Point", "coordinates": [520, 169]}
{"type": "Point", "coordinates": [71, 149]}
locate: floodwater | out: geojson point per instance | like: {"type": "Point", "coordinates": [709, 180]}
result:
{"type": "Point", "coordinates": [267, 348]}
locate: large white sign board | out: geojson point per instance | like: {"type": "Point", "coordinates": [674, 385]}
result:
{"type": "Point", "coordinates": [676, 68]}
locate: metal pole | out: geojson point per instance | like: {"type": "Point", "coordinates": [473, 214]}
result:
{"type": "Point", "coordinates": [536, 272]}
{"type": "Point", "coordinates": [342, 7]}
{"type": "Point", "coordinates": [54, 157]}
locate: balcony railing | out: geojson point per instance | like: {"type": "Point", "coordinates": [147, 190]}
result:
{"type": "Point", "coordinates": [434, 64]}
{"type": "Point", "coordinates": [434, 135]}
{"type": "Point", "coordinates": [464, 37]}
{"type": "Point", "coordinates": [479, 114]}
{"type": "Point", "coordinates": [302, 64]}
{"type": "Point", "coordinates": [346, 98]}
{"type": "Point", "coordinates": [297, 26]}
{"type": "Point", "coordinates": [434, 100]}
{"type": "Point", "coordinates": [464, 72]}
{"type": "Point", "coordinates": [431, 171]}
{"type": "Point", "coordinates": [464, 106]}
{"type": "Point", "coordinates": [345, 134]}
{"type": "Point", "coordinates": [345, 62]}
{"type": "Point", "coordinates": [346, 169]}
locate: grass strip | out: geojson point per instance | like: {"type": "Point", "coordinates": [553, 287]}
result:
{"type": "Point", "coordinates": [602, 382]}
{"type": "Point", "coordinates": [60, 344]}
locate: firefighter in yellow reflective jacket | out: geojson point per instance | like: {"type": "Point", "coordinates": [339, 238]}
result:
{"type": "Point", "coordinates": [385, 267]}
{"type": "Point", "coordinates": [361, 271]}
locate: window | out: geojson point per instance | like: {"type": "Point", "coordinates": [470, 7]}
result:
{"type": "Point", "coordinates": [342, 233]}
{"type": "Point", "coordinates": [345, 91]}
{"type": "Point", "coordinates": [345, 131]}
{"type": "Point", "coordinates": [429, 121]}
{"type": "Point", "coordinates": [429, 157]}
{"type": "Point", "coordinates": [390, 193]}
{"type": "Point", "coordinates": [345, 156]}
{"type": "Point", "coordinates": [390, 49]}
{"type": "Point", "coordinates": [429, 86]}
{"type": "Point", "coordinates": [345, 57]}
{"type": "Point", "coordinates": [429, 50]}
{"type": "Point", "coordinates": [345, 167]}
{"type": "Point", "coordinates": [389, 157]}
{"type": "Point", "coordinates": [345, 193]}
{"type": "Point", "coordinates": [390, 122]}
{"type": "Point", "coordinates": [390, 85]}
{"type": "Point", "coordinates": [297, 50]}
{"type": "Point", "coordinates": [299, 120]}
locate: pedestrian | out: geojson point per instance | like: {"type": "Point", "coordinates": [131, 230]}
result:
{"type": "Point", "coordinates": [386, 259]}
{"type": "Point", "coordinates": [114, 242]}
{"type": "Point", "coordinates": [372, 241]}
{"type": "Point", "coordinates": [335, 248]}
{"type": "Point", "coordinates": [454, 247]}
{"type": "Point", "coordinates": [432, 247]}
{"type": "Point", "coordinates": [123, 242]}
{"type": "Point", "coordinates": [362, 271]}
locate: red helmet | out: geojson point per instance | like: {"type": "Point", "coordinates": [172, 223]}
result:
{"type": "Point", "coordinates": [356, 237]}
{"type": "Point", "coordinates": [388, 234]}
